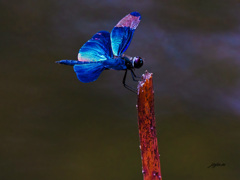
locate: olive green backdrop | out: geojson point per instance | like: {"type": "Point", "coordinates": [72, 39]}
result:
{"type": "Point", "coordinates": [53, 127]}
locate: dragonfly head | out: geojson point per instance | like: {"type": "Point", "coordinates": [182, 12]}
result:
{"type": "Point", "coordinates": [137, 62]}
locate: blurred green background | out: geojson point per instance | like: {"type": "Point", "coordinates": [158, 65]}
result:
{"type": "Point", "coordinates": [55, 127]}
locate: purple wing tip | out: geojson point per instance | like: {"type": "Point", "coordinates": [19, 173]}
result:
{"type": "Point", "coordinates": [137, 14]}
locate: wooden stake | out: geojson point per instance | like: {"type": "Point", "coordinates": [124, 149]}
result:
{"type": "Point", "coordinates": [147, 129]}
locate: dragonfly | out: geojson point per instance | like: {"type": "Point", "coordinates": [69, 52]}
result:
{"type": "Point", "coordinates": [104, 51]}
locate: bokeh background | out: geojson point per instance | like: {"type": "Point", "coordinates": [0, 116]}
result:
{"type": "Point", "coordinates": [54, 127]}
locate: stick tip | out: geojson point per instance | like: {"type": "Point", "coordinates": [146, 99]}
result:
{"type": "Point", "coordinates": [146, 76]}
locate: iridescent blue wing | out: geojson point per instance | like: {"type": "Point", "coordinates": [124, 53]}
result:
{"type": "Point", "coordinates": [91, 55]}
{"type": "Point", "coordinates": [122, 33]}
{"type": "Point", "coordinates": [98, 48]}
{"type": "Point", "coordinates": [88, 72]}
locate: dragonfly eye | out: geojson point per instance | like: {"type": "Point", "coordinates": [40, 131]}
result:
{"type": "Point", "coordinates": [138, 62]}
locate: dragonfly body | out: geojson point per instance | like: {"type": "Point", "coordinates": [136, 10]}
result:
{"type": "Point", "coordinates": [116, 63]}
{"type": "Point", "coordinates": [105, 51]}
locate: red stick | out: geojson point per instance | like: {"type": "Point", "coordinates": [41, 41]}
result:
{"type": "Point", "coordinates": [147, 129]}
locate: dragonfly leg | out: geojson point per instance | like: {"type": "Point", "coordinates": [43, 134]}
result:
{"type": "Point", "coordinates": [134, 77]}
{"type": "Point", "coordinates": [127, 86]}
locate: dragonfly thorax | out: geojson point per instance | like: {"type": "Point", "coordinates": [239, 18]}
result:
{"type": "Point", "coordinates": [132, 62]}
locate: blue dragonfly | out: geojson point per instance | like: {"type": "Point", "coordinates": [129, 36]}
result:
{"type": "Point", "coordinates": [104, 51]}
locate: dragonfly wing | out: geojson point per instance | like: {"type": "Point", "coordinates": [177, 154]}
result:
{"type": "Point", "coordinates": [88, 72]}
{"type": "Point", "coordinates": [98, 48]}
{"type": "Point", "coordinates": [122, 33]}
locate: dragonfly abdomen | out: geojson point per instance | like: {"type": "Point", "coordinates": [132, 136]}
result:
{"type": "Point", "coordinates": [69, 62]}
